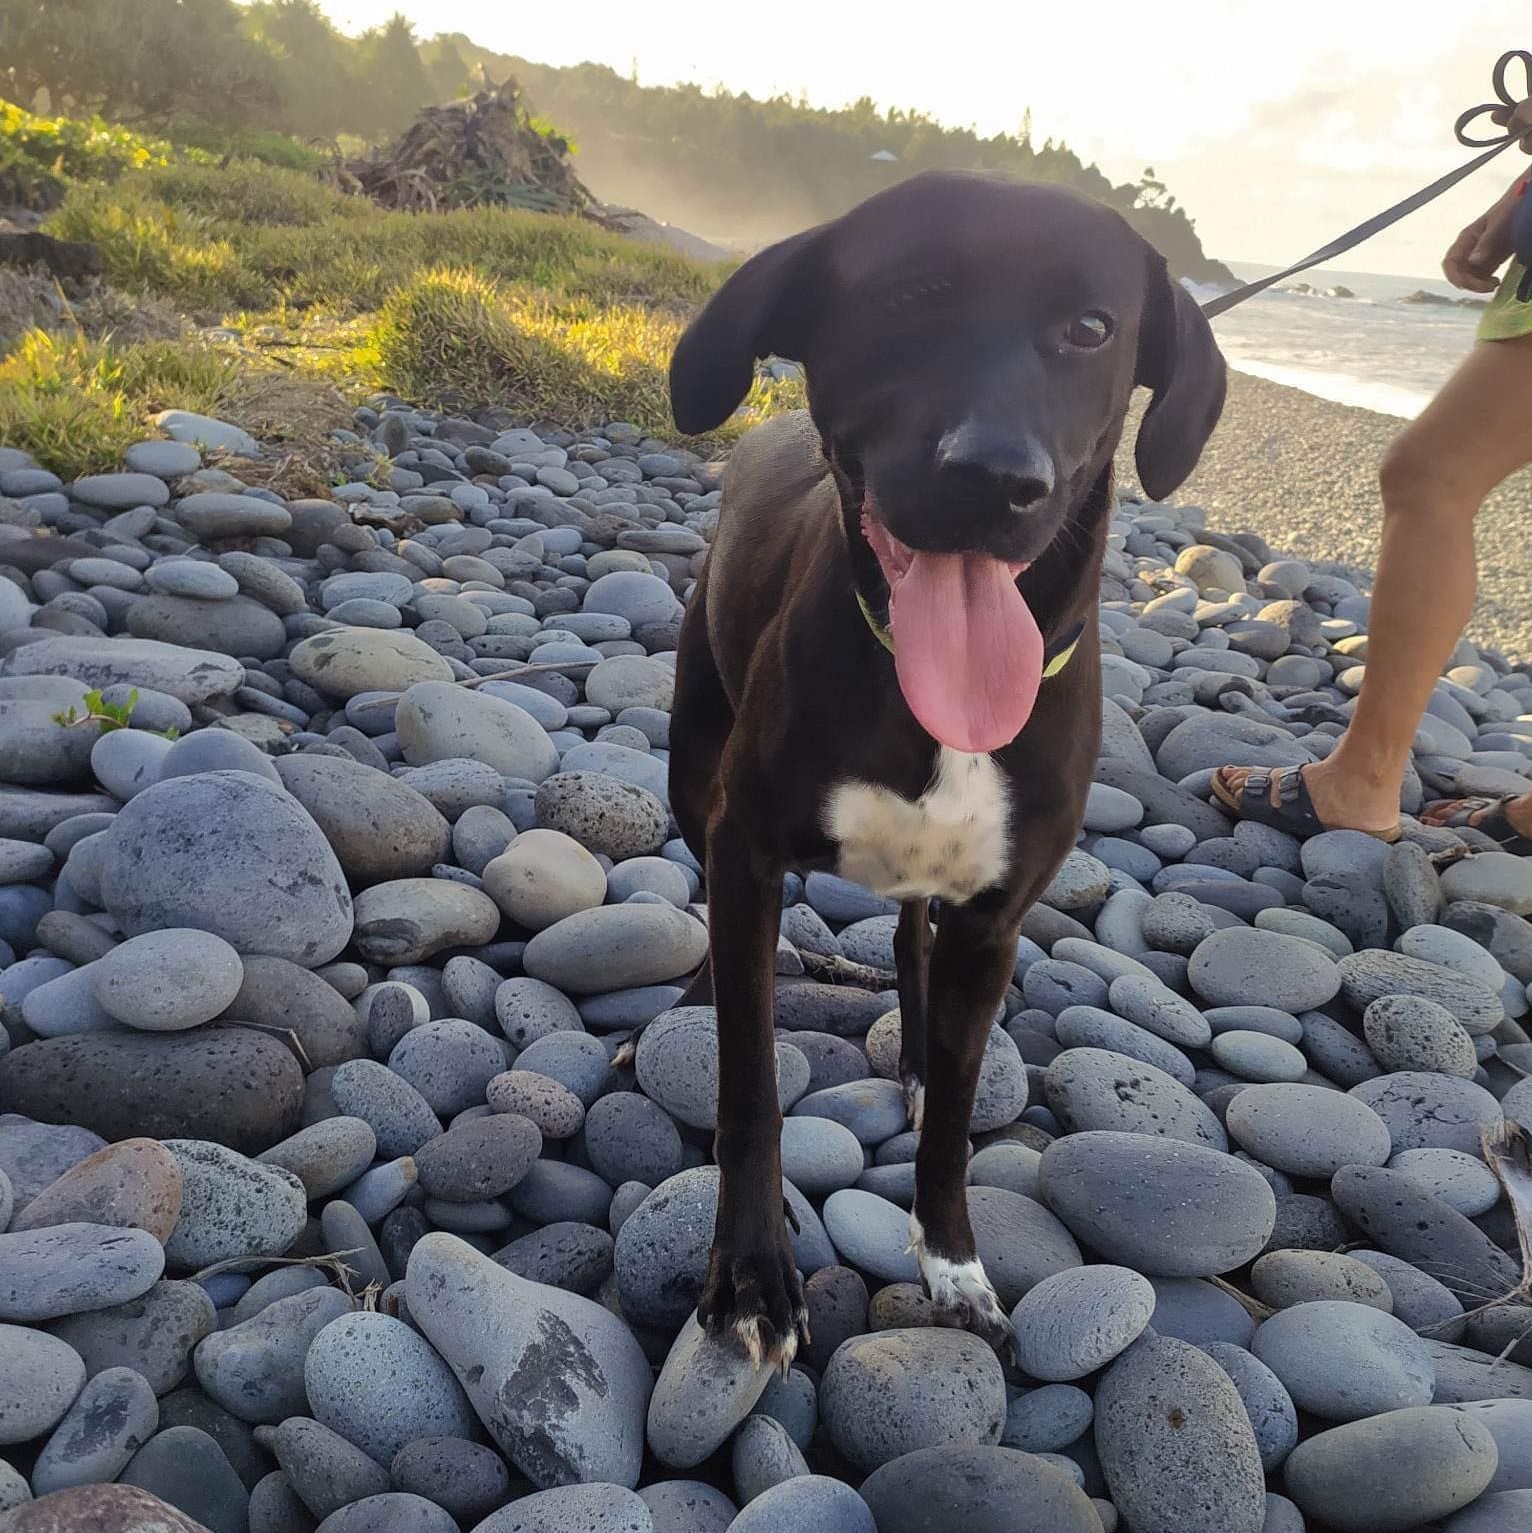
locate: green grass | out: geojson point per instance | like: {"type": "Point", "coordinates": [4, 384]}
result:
{"type": "Point", "coordinates": [549, 317]}
{"type": "Point", "coordinates": [76, 404]}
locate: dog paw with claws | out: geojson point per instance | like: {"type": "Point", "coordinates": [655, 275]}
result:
{"type": "Point", "coordinates": [963, 1297]}
{"type": "Point", "coordinates": [758, 1299]}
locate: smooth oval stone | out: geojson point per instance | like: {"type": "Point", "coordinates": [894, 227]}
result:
{"type": "Point", "coordinates": [348, 661]}
{"type": "Point", "coordinates": [604, 814]}
{"type": "Point", "coordinates": [400, 1117]}
{"type": "Point", "coordinates": [230, 853]}
{"type": "Point", "coordinates": [1307, 1130]}
{"type": "Point", "coordinates": [1343, 1361]}
{"type": "Point", "coordinates": [1047, 1419]}
{"type": "Point", "coordinates": [1273, 1417]}
{"type": "Point", "coordinates": [1368, 975]}
{"type": "Point", "coordinates": [677, 1065]}
{"type": "Point", "coordinates": [465, 1479]}
{"type": "Point", "coordinates": [1461, 1181]}
{"type": "Point", "coordinates": [1506, 1511]}
{"type": "Point", "coordinates": [408, 920]}
{"type": "Point", "coordinates": [113, 1416]}
{"type": "Point", "coordinates": [544, 876]}
{"type": "Point", "coordinates": [1285, 1278]}
{"type": "Point", "coordinates": [1423, 1110]}
{"type": "Point", "coordinates": [872, 1234]}
{"type": "Point", "coordinates": [40, 1378]}
{"type": "Point", "coordinates": [706, 1388]}
{"type": "Point", "coordinates": [341, 1371]}
{"type": "Point", "coordinates": [569, 1509]}
{"type": "Point", "coordinates": [438, 721]}
{"type": "Point", "coordinates": [1231, 967]}
{"type": "Point", "coordinates": [977, 1489]}
{"type": "Point", "coordinates": [325, 1156]}
{"type": "Point", "coordinates": [154, 1335]}
{"type": "Point", "coordinates": [1388, 1472]}
{"type": "Point", "coordinates": [1411, 1223]}
{"type": "Point", "coordinates": [231, 1207]}
{"type": "Point", "coordinates": [379, 828]}
{"type": "Point", "coordinates": [690, 1506]}
{"type": "Point", "coordinates": [1096, 1089]}
{"type": "Point", "coordinates": [1410, 1033]}
{"type": "Point", "coordinates": [630, 1138]}
{"type": "Point", "coordinates": [165, 981]}
{"type": "Point", "coordinates": [133, 1184]}
{"type": "Point", "coordinates": [482, 1159]}
{"type": "Point", "coordinates": [187, 1468]}
{"type": "Point", "coordinates": [1176, 1446]}
{"type": "Point", "coordinates": [819, 1156]}
{"type": "Point", "coordinates": [893, 1392]}
{"type": "Point", "coordinates": [1077, 1321]}
{"type": "Point", "coordinates": [1159, 1206]}
{"type": "Point", "coordinates": [1258, 1057]}
{"type": "Point", "coordinates": [299, 1008]}
{"type": "Point", "coordinates": [616, 947]}
{"type": "Point", "coordinates": [255, 1369]}
{"type": "Point", "coordinates": [233, 1086]}
{"type": "Point", "coordinates": [68, 1269]}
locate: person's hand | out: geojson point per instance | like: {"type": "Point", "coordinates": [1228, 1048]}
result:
{"type": "Point", "coordinates": [1518, 121]}
{"type": "Point", "coordinates": [1482, 248]}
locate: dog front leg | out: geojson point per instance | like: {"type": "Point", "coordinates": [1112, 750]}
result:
{"type": "Point", "coordinates": [912, 958]}
{"type": "Point", "coordinates": [752, 1287]}
{"type": "Point", "coordinates": [971, 963]}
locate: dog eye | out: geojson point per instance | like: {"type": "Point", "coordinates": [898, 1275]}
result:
{"type": "Point", "coordinates": [1088, 331]}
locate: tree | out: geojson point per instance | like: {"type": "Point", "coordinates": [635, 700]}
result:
{"type": "Point", "coordinates": [313, 63]}
{"type": "Point", "coordinates": [151, 61]}
{"type": "Point", "coordinates": [392, 78]}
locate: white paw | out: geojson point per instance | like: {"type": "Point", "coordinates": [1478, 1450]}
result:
{"type": "Point", "coordinates": [960, 1289]}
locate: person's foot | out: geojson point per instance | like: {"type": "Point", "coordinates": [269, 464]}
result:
{"type": "Point", "coordinates": [1508, 820]}
{"type": "Point", "coordinates": [1307, 800]}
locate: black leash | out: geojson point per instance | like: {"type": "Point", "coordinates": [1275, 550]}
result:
{"type": "Point", "coordinates": [1381, 221]}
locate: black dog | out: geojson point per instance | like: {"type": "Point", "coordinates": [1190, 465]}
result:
{"type": "Point", "coordinates": [861, 680]}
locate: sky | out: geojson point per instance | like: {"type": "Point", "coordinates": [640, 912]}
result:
{"type": "Point", "coordinates": [1276, 127]}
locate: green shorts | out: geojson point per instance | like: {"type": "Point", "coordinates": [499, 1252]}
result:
{"type": "Point", "coordinates": [1507, 317]}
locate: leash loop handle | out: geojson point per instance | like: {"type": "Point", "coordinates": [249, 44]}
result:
{"type": "Point", "coordinates": [1507, 101]}
{"type": "Point", "coordinates": [1380, 221]}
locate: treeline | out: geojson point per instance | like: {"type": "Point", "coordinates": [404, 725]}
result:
{"type": "Point", "coordinates": [726, 165]}
{"type": "Point", "coordinates": [215, 64]}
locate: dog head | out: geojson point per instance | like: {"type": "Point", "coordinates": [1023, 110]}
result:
{"type": "Point", "coordinates": [970, 346]}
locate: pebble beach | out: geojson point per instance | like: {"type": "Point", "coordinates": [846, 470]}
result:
{"type": "Point", "coordinates": [337, 868]}
{"type": "Point", "coordinates": [1302, 472]}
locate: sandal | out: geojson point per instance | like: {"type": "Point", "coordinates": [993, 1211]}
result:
{"type": "Point", "coordinates": [1492, 820]}
{"type": "Point", "coordinates": [1294, 810]}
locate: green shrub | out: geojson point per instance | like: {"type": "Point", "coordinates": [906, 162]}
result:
{"type": "Point", "coordinates": [80, 149]}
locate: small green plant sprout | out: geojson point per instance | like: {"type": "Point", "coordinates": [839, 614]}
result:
{"type": "Point", "coordinates": [109, 716]}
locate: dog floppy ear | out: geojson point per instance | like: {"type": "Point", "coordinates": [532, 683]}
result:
{"type": "Point", "coordinates": [756, 313]}
{"type": "Point", "coordinates": [1178, 360]}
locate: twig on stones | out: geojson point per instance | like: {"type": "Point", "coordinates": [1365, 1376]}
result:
{"type": "Point", "coordinates": [1508, 1151]}
{"type": "Point", "coordinates": [1251, 1305]}
{"type": "Point", "coordinates": [287, 1033]}
{"type": "Point", "coordinates": [842, 971]}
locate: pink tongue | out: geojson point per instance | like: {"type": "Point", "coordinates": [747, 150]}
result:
{"type": "Point", "coordinates": [968, 652]}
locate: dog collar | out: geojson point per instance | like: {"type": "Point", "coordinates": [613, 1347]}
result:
{"type": "Point", "coordinates": [1055, 656]}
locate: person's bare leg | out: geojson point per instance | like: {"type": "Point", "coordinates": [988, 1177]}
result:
{"type": "Point", "coordinates": [1434, 478]}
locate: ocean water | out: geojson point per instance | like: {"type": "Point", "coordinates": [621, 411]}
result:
{"type": "Point", "coordinates": [1371, 350]}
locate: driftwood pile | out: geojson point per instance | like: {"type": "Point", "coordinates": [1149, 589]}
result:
{"type": "Point", "coordinates": [482, 150]}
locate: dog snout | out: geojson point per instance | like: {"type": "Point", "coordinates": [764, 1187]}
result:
{"type": "Point", "coordinates": [983, 461]}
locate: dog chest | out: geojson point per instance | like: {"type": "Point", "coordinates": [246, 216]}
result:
{"type": "Point", "coordinates": [951, 842]}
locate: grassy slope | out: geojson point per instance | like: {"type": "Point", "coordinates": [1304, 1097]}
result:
{"type": "Point", "coordinates": [548, 317]}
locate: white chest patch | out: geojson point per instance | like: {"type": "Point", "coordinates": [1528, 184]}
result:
{"type": "Point", "coordinates": [951, 842]}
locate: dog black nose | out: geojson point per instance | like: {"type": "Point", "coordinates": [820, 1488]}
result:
{"type": "Point", "coordinates": [978, 459]}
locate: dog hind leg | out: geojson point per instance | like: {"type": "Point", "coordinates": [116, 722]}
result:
{"type": "Point", "coordinates": [971, 963]}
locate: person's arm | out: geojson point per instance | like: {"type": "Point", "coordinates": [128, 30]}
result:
{"type": "Point", "coordinates": [1485, 245]}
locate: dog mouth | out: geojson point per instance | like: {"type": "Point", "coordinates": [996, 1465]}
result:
{"type": "Point", "coordinates": [967, 651]}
